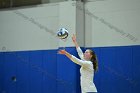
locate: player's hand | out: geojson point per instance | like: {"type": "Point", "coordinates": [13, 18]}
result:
{"type": "Point", "coordinates": [62, 52]}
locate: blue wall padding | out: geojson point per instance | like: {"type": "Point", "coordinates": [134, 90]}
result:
{"type": "Point", "coordinates": [117, 67]}
{"type": "Point", "coordinates": [136, 69]}
{"type": "Point", "coordinates": [49, 71]}
{"type": "Point", "coordinates": [23, 72]}
{"type": "Point", "coordinates": [67, 73]}
{"type": "Point", "coordinates": [10, 68]}
{"type": "Point", "coordinates": [45, 71]}
{"type": "Point", "coordinates": [1, 70]}
{"type": "Point", "coordinates": [35, 79]}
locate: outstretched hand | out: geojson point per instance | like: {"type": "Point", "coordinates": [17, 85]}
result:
{"type": "Point", "coordinates": [62, 52]}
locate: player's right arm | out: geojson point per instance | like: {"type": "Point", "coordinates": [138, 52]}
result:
{"type": "Point", "coordinates": [80, 53]}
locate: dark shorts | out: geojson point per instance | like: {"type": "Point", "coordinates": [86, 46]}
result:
{"type": "Point", "coordinates": [91, 92]}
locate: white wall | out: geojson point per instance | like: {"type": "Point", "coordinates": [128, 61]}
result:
{"type": "Point", "coordinates": [21, 28]}
{"type": "Point", "coordinates": [67, 19]}
{"type": "Point", "coordinates": [112, 23]}
{"type": "Point", "coordinates": [105, 23]}
{"type": "Point", "coordinates": [34, 28]}
{"type": "Point", "coordinates": [73, 19]}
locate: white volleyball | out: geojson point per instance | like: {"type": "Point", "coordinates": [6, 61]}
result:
{"type": "Point", "coordinates": [62, 33]}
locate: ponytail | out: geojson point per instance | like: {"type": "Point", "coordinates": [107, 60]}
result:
{"type": "Point", "coordinates": [94, 60]}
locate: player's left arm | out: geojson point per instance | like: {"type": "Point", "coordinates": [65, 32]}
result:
{"type": "Point", "coordinates": [73, 58]}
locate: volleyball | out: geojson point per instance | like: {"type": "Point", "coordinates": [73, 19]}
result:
{"type": "Point", "coordinates": [62, 33]}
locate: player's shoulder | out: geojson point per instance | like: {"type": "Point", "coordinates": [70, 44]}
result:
{"type": "Point", "coordinates": [88, 62]}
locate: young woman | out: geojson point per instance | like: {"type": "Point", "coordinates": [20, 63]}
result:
{"type": "Point", "coordinates": [89, 65]}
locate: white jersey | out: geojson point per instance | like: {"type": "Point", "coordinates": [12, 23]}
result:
{"type": "Point", "coordinates": [86, 71]}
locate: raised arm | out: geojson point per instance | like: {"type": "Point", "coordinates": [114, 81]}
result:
{"type": "Point", "coordinates": [80, 53]}
{"type": "Point", "coordinates": [74, 41]}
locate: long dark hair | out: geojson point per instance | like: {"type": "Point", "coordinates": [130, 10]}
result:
{"type": "Point", "coordinates": [94, 60]}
